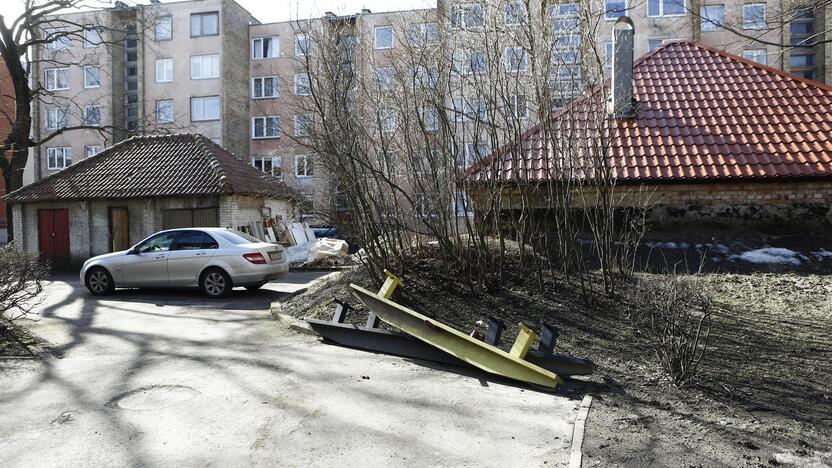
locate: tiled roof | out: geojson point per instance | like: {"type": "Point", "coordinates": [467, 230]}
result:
{"type": "Point", "coordinates": [154, 166]}
{"type": "Point", "coordinates": [702, 115]}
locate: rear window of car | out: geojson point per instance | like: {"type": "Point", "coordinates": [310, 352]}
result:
{"type": "Point", "coordinates": [237, 237]}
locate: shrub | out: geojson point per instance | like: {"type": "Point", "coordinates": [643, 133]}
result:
{"type": "Point", "coordinates": [21, 282]}
{"type": "Point", "coordinates": [674, 318]}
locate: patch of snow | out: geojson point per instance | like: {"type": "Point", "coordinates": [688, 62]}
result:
{"type": "Point", "coordinates": [769, 255]}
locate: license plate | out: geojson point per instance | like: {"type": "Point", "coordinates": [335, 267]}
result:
{"type": "Point", "coordinates": [274, 255]}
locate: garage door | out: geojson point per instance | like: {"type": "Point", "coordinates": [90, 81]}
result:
{"type": "Point", "coordinates": [202, 217]}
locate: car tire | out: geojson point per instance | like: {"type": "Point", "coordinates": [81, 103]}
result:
{"type": "Point", "coordinates": [100, 282]}
{"type": "Point", "coordinates": [215, 283]}
{"type": "Point", "coordinates": [255, 287]}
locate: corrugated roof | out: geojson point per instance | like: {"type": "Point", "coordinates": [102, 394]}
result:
{"type": "Point", "coordinates": [702, 114]}
{"type": "Point", "coordinates": [154, 166]}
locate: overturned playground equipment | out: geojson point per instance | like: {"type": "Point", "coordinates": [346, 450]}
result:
{"type": "Point", "coordinates": [422, 337]}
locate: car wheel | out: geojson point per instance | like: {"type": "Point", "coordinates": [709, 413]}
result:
{"type": "Point", "coordinates": [100, 282]}
{"type": "Point", "coordinates": [255, 287]}
{"type": "Point", "coordinates": [215, 283]}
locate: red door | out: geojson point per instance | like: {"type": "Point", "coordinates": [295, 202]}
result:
{"type": "Point", "coordinates": [53, 229]}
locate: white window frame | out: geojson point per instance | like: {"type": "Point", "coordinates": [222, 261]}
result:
{"type": "Point", "coordinates": [54, 72]}
{"type": "Point", "coordinates": [57, 44]}
{"type": "Point", "coordinates": [301, 50]}
{"type": "Point", "coordinates": [662, 41]}
{"type": "Point", "coordinates": [606, 12]}
{"type": "Point", "coordinates": [609, 54]}
{"type": "Point", "coordinates": [392, 37]}
{"type": "Point", "coordinates": [262, 87]}
{"type": "Point", "coordinates": [708, 24]}
{"type": "Point", "coordinates": [156, 112]}
{"type": "Point", "coordinates": [388, 120]}
{"type": "Point", "coordinates": [750, 54]}
{"type": "Point", "coordinates": [86, 114]}
{"type": "Point", "coordinates": [460, 13]}
{"type": "Point", "coordinates": [65, 157]}
{"type": "Point", "coordinates": [506, 13]}
{"type": "Point", "coordinates": [523, 63]}
{"type": "Point", "coordinates": [661, 10]}
{"type": "Point", "coordinates": [202, 66]}
{"type": "Point", "coordinates": [753, 26]}
{"type": "Point", "coordinates": [513, 100]}
{"type": "Point", "coordinates": [167, 64]}
{"type": "Point", "coordinates": [87, 68]}
{"type": "Point", "coordinates": [387, 82]}
{"type": "Point", "coordinates": [59, 123]}
{"type": "Point", "coordinates": [275, 120]}
{"type": "Point", "coordinates": [298, 78]}
{"type": "Point", "coordinates": [419, 36]}
{"type": "Point", "coordinates": [299, 124]}
{"type": "Point", "coordinates": [275, 161]}
{"type": "Point", "coordinates": [88, 44]}
{"type": "Point", "coordinates": [96, 149]}
{"type": "Point", "coordinates": [204, 99]}
{"type": "Point", "coordinates": [430, 119]}
{"type": "Point", "coordinates": [308, 169]}
{"type": "Point", "coordinates": [201, 15]}
{"type": "Point", "coordinates": [159, 20]}
{"type": "Point", "coordinates": [257, 45]}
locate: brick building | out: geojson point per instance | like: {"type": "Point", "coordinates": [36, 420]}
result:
{"type": "Point", "coordinates": [713, 137]}
{"type": "Point", "coordinates": [6, 109]}
{"type": "Point", "coordinates": [136, 188]}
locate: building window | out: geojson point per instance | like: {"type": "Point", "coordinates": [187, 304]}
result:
{"type": "Point", "coordinates": [92, 116]}
{"type": "Point", "coordinates": [304, 125]}
{"type": "Point", "coordinates": [518, 106]}
{"type": "Point", "coordinates": [92, 76]}
{"type": "Point", "coordinates": [756, 55]}
{"type": "Point", "coordinates": [475, 152]}
{"type": "Point", "coordinates": [164, 28]}
{"type": "Point", "coordinates": [426, 77]}
{"type": "Point", "coordinates": [468, 62]}
{"type": "Point", "coordinates": [58, 158]}
{"type": "Point", "coordinates": [653, 44]}
{"type": "Point", "coordinates": [301, 45]}
{"type": "Point", "coordinates": [385, 78]}
{"type": "Point", "coordinates": [204, 67]}
{"type": "Point", "coordinates": [265, 87]}
{"type": "Point", "coordinates": [711, 17]}
{"type": "Point", "coordinates": [801, 61]}
{"type": "Point", "coordinates": [164, 111]}
{"type": "Point", "coordinates": [387, 120]}
{"type": "Point", "coordinates": [383, 37]}
{"type": "Point", "coordinates": [265, 47]}
{"type": "Point", "coordinates": [563, 17]}
{"type": "Point", "coordinates": [58, 39]}
{"type": "Point", "coordinates": [164, 70]}
{"type": "Point", "coordinates": [430, 118]}
{"type": "Point", "coordinates": [92, 150]}
{"type": "Point", "coordinates": [205, 24]}
{"type": "Point", "coordinates": [56, 118]}
{"type": "Point", "coordinates": [424, 34]}
{"type": "Point", "coordinates": [614, 9]}
{"type": "Point", "coordinates": [467, 16]}
{"type": "Point", "coordinates": [608, 55]}
{"type": "Point", "coordinates": [265, 127]}
{"type": "Point", "coordinates": [516, 59]}
{"type": "Point", "coordinates": [92, 37]}
{"type": "Point", "coordinates": [302, 87]}
{"type": "Point", "coordinates": [57, 79]}
{"type": "Point", "coordinates": [271, 165]}
{"type": "Point", "coordinates": [303, 166]}
{"type": "Point", "coordinates": [666, 7]}
{"type": "Point", "coordinates": [515, 13]}
{"type": "Point", "coordinates": [205, 108]}
{"type": "Point", "coordinates": [754, 16]}
{"type": "Point", "coordinates": [802, 28]}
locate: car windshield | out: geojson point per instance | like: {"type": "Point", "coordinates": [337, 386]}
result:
{"type": "Point", "coordinates": [237, 237]}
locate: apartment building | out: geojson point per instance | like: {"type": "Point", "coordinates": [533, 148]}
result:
{"type": "Point", "coordinates": [208, 66]}
{"type": "Point", "coordinates": [158, 68]}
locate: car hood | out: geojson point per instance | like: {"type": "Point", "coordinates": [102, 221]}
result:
{"type": "Point", "coordinates": [109, 255]}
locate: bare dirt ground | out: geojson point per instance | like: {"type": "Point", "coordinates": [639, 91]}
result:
{"type": "Point", "coordinates": [764, 397]}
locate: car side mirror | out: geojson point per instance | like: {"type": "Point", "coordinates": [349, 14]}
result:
{"type": "Point", "coordinates": [133, 251]}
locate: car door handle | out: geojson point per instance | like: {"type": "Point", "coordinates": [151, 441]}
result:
{"type": "Point", "coordinates": [160, 256]}
{"type": "Point", "coordinates": [201, 253]}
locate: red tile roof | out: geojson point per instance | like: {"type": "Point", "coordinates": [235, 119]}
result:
{"type": "Point", "coordinates": [155, 166]}
{"type": "Point", "coordinates": [703, 114]}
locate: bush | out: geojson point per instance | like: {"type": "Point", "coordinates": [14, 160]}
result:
{"type": "Point", "coordinates": [674, 318]}
{"type": "Point", "coordinates": [21, 282]}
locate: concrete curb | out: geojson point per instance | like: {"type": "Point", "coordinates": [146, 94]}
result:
{"type": "Point", "coordinates": [293, 323]}
{"type": "Point", "coordinates": [576, 456]}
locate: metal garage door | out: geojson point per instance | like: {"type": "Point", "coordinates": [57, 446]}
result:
{"type": "Point", "coordinates": [202, 217]}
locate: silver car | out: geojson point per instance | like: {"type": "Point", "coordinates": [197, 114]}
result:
{"type": "Point", "coordinates": [213, 259]}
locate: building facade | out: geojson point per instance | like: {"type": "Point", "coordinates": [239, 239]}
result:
{"type": "Point", "coordinates": [208, 66]}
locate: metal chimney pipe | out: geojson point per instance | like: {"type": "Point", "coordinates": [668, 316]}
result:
{"type": "Point", "coordinates": [622, 105]}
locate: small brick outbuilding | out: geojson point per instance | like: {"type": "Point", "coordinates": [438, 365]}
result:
{"type": "Point", "coordinates": [137, 187]}
{"type": "Point", "coordinates": [713, 138]}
